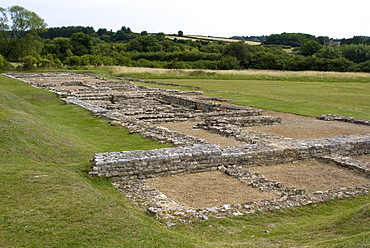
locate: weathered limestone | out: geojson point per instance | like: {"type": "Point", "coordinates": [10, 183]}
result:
{"type": "Point", "coordinates": [131, 165]}
{"type": "Point", "coordinates": [350, 163]}
{"type": "Point", "coordinates": [162, 207]}
{"type": "Point", "coordinates": [331, 117]}
{"type": "Point", "coordinates": [232, 127]}
{"type": "Point", "coordinates": [242, 121]}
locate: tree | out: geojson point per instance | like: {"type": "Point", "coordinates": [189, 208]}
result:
{"type": "Point", "coordinates": [330, 52]}
{"type": "Point", "coordinates": [81, 44]}
{"type": "Point", "coordinates": [60, 47]}
{"type": "Point", "coordinates": [2, 61]}
{"type": "Point", "coordinates": [30, 44]}
{"type": "Point", "coordinates": [180, 33]}
{"type": "Point", "coordinates": [310, 47]}
{"type": "Point", "coordinates": [15, 23]}
{"type": "Point", "coordinates": [288, 39]}
{"type": "Point", "coordinates": [144, 44]}
{"type": "Point", "coordinates": [356, 53]}
{"type": "Point", "coordinates": [239, 50]}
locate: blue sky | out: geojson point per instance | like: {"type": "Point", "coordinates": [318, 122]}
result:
{"type": "Point", "coordinates": [336, 19]}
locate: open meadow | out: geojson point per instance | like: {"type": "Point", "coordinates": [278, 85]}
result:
{"type": "Point", "coordinates": [47, 198]}
{"type": "Point", "coordinates": [305, 93]}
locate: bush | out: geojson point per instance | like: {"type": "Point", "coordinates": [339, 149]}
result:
{"type": "Point", "coordinates": [73, 61]}
{"type": "Point", "coordinates": [229, 63]}
{"type": "Point", "coordinates": [147, 63]}
{"type": "Point", "coordinates": [356, 53]}
{"type": "Point", "coordinates": [29, 62]}
{"type": "Point", "coordinates": [364, 66]}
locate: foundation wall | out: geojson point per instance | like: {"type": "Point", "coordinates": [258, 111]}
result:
{"type": "Point", "coordinates": [141, 164]}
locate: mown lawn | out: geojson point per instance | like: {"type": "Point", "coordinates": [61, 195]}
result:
{"type": "Point", "coordinates": [48, 200]}
{"type": "Point", "coordinates": [302, 98]}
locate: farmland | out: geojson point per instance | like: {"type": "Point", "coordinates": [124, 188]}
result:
{"type": "Point", "coordinates": [210, 38]}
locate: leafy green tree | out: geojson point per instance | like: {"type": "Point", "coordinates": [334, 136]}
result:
{"type": "Point", "coordinates": [288, 39]}
{"type": "Point", "coordinates": [330, 52]}
{"type": "Point", "coordinates": [16, 23]}
{"type": "Point", "coordinates": [364, 66]}
{"type": "Point", "coordinates": [102, 31]}
{"type": "Point", "coordinates": [73, 61]}
{"type": "Point", "coordinates": [81, 44]}
{"type": "Point", "coordinates": [30, 44]}
{"type": "Point", "coordinates": [180, 33]}
{"type": "Point", "coordinates": [59, 47]}
{"type": "Point", "coordinates": [2, 61]}
{"type": "Point", "coordinates": [310, 47]}
{"type": "Point", "coordinates": [229, 63]}
{"type": "Point", "coordinates": [322, 39]}
{"type": "Point", "coordinates": [241, 51]}
{"type": "Point", "coordinates": [356, 40]}
{"type": "Point", "coordinates": [357, 53]}
{"type": "Point", "coordinates": [144, 44]}
{"type": "Point", "coordinates": [160, 36]}
{"type": "Point", "coordinates": [271, 59]}
{"type": "Point", "coordinates": [66, 32]}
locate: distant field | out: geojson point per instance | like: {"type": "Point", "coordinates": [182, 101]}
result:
{"type": "Point", "coordinates": [263, 74]}
{"type": "Point", "coordinates": [196, 37]}
{"type": "Point", "coordinates": [305, 93]}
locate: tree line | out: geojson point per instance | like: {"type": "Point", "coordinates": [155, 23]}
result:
{"type": "Point", "coordinates": [24, 38]}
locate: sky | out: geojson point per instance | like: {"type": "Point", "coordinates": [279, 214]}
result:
{"type": "Point", "coordinates": [226, 18]}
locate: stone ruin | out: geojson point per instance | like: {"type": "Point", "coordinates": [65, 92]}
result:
{"type": "Point", "coordinates": [143, 110]}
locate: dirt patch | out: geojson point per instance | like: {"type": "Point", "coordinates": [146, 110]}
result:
{"type": "Point", "coordinates": [364, 158]}
{"type": "Point", "coordinates": [312, 175]}
{"type": "Point", "coordinates": [293, 126]}
{"type": "Point", "coordinates": [207, 189]}
{"type": "Point", "coordinates": [187, 128]}
{"type": "Point", "coordinates": [300, 127]}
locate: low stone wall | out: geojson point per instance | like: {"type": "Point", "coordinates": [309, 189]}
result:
{"type": "Point", "coordinates": [129, 165]}
{"type": "Point", "coordinates": [238, 133]}
{"type": "Point", "coordinates": [331, 117]}
{"type": "Point", "coordinates": [350, 163]}
{"type": "Point", "coordinates": [159, 205]}
{"type": "Point", "coordinates": [241, 121]}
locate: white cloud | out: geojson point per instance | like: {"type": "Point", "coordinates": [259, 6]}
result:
{"type": "Point", "coordinates": [209, 17]}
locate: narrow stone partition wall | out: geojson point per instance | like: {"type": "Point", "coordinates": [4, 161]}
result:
{"type": "Point", "coordinates": [331, 117]}
{"type": "Point", "coordinates": [140, 164]}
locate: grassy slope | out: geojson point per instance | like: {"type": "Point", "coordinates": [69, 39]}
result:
{"type": "Point", "coordinates": [47, 200]}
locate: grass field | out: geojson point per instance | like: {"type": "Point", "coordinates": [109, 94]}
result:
{"type": "Point", "coordinates": [211, 38]}
{"type": "Point", "coordinates": [303, 93]}
{"type": "Point", "coordinates": [48, 200]}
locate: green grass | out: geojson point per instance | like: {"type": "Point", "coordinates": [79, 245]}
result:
{"type": "Point", "coordinates": [302, 98]}
{"type": "Point", "coordinates": [48, 200]}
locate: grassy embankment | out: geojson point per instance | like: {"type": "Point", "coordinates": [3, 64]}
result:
{"type": "Point", "coordinates": [47, 199]}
